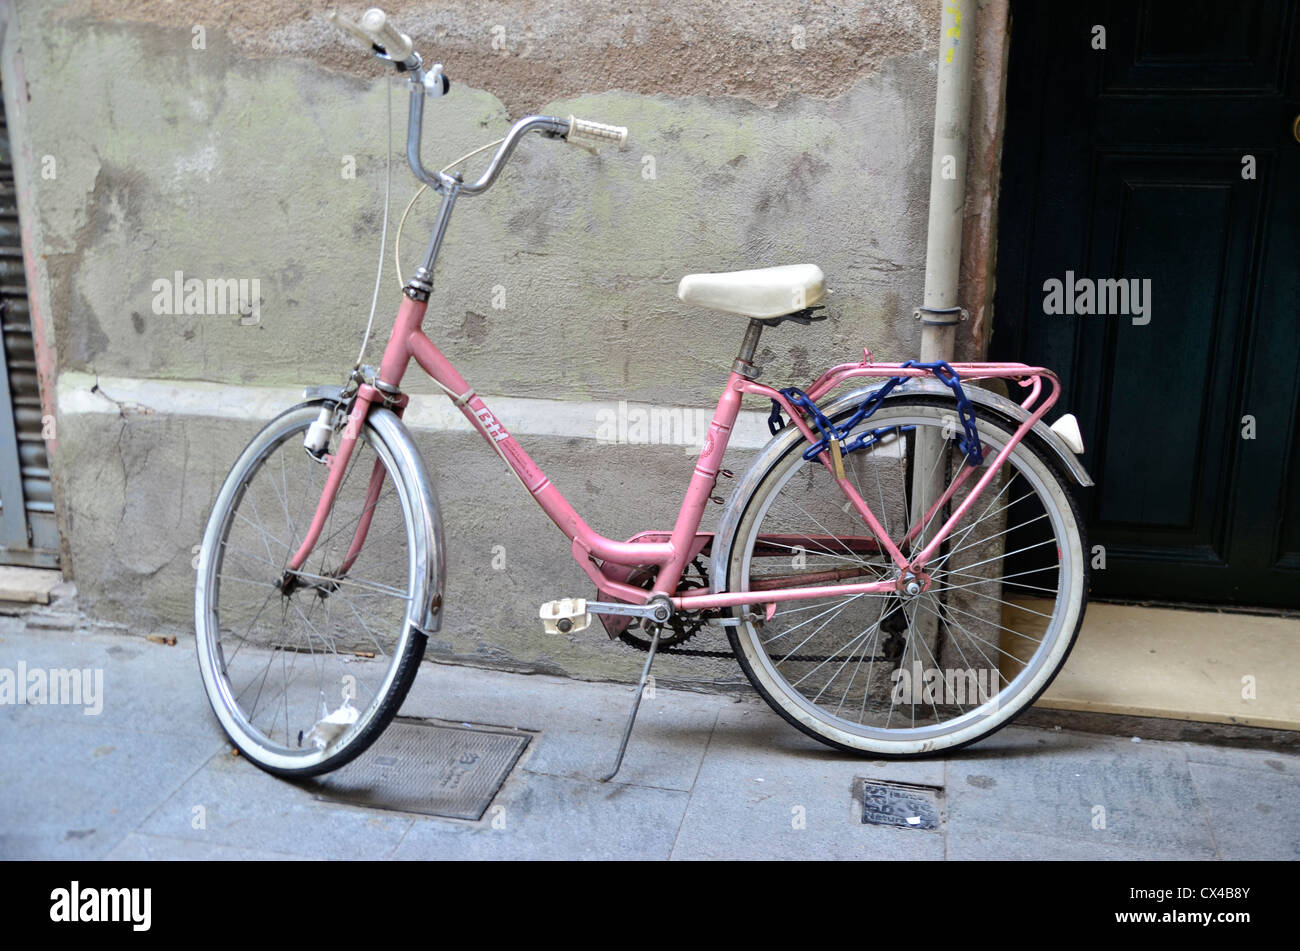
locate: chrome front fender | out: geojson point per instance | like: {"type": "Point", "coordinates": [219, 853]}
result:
{"type": "Point", "coordinates": [431, 554]}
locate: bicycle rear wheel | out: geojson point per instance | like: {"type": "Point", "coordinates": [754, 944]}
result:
{"type": "Point", "coordinates": [304, 669]}
{"type": "Point", "coordinates": [896, 675]}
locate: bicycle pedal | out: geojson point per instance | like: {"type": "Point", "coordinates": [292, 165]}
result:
{"type": "Point", "coordinates": [565, 616]}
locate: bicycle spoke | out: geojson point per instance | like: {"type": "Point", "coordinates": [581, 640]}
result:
{"type": "Point", "coordinates": [858, 666]}
{"type": "Point", "coordinates": [1036, 640]}
{"type": "Point", "coordinates": [847, 647]}
{"type": "Point", "coordinates": [840, 605]}
{"type": "Point", "coordinates": [989, 597]}
{"type": "Point", "coordinates": [819, 629]}
{"type": "Point", "coordinates": [279, 662]}
{"type": "Point", "coordinates": [837, 664]}
{"type": "Point", "coordinates": [854, 560]}
{"type": "Point", "coordinates": [960, 627]}
{"type": "Point", "coordinates": [1002, 579]}
{"type": "Point", "coordinates": [372, 586]}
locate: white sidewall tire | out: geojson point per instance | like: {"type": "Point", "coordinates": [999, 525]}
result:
{"type": "Point", "coordinates": [1029, 684]}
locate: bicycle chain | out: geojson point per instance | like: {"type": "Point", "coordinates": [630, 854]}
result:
{"type": "Point", "coordinates": [693, 627]}
{"type": "Point", "coordinates": [701, 652]}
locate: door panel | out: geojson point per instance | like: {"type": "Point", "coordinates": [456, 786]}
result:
{"type": "Point", "coordinates": [1127, 163]}
{"type": "Point", "coordinates": [1205, 48]}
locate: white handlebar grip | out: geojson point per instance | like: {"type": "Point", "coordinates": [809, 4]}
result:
{"type": "Point", "coordinates": [597, 132]}
{"type": "Point", "coordinates": [395, 43]}
{"type": "Point", "coordinates": [347, 26]}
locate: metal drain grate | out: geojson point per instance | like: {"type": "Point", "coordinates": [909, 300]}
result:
{"type": "Point", "coordinates": [428, 768]}
{"type": "Point", "coordinates": [903, 805]}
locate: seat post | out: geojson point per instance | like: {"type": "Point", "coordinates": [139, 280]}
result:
{"type": "Point", "coordinates": [744, 364]}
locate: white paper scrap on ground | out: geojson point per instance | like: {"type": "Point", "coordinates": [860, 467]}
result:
{"type": "Point", "coordinates": [330, 727]}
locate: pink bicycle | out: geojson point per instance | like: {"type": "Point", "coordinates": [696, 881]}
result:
{"type": "Point", "coordinates": [901, 571]}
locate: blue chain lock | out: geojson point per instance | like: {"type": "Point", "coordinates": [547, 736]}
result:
{"type": "Point", "coordinates": [968, 441]}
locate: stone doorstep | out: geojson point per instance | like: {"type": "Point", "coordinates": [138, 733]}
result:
{"type": "Point", "coordinates": [27, 585]}
{"type": "Point", "coordinates": [1178, 664]}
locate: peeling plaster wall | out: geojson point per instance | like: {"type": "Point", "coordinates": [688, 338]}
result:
{"type": "Point", "coordinates": [230, 161]}
{"type": "Point", "coordinates": [528, 52]}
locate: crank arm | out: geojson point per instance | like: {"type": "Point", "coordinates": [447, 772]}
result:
{"type": "Point", "coordinates": [658, 612]}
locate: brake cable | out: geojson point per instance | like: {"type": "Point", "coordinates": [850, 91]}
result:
{"type": "Point", "coordinates": [383, 232]}
{"type": "Point", "coordinates": [397, 242]}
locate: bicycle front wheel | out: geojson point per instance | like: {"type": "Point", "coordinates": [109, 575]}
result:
{"type": "Point", "coordinates": [305, 668]}
{"type": "Point", "coordinates": [893, 674]}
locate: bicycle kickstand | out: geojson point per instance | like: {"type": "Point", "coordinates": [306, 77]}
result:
{"type": "Point", "coordinates": [636, 704]}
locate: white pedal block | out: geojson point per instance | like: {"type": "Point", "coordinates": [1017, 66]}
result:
{"type": "Point", "coordinates": [565, 616]}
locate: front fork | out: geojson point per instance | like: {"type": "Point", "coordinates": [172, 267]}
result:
{"type": "Point", "coordinates": [363, 395]}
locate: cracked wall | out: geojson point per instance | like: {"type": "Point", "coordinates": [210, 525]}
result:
{"type": "Point", "coordinates": [260, 156]}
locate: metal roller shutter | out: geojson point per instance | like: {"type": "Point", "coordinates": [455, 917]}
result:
{"type": "Point", "coordinates": [28, 531]}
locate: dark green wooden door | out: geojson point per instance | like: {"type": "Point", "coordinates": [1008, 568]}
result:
{"type": "Point", "coordinates": [1169, 156]}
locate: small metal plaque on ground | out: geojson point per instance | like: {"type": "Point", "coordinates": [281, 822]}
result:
{"type": "Point", "coordinates": [428, 768]}
{"type": "Point", "coordinates": [899, 804]}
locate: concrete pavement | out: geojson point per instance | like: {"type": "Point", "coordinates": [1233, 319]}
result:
{"type": "Point", "coordinates": [707, 776]}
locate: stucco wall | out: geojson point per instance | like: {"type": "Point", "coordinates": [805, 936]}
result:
{"type": "Point", "coordinates": [232, 160]}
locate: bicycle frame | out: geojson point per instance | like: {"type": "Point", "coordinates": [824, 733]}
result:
{"type": "Point", "coordinates": [602, 558]}
{"type": "Point", "coordinates": [928, 431]}
{"type": "Point", "coordinates": [599, 556]}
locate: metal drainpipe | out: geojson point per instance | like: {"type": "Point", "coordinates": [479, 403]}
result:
{"type": "Point", "coordinates": [940, 312]}
{"type": "Point", "coordinates": [948, 195]}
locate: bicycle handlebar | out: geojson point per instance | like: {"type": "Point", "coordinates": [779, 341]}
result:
{"type": "Point", "coordinates": [597, 133]}
{"type": "Point", "coordinates": [350, 28]}
{"type": "Point", "coordinates": [390, 43]}
{"type": "Point", "coordinates": [375, 23]}
{"type": "Point", "coordinates": [548, 126]}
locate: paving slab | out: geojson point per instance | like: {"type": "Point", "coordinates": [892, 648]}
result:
{"type": "Point", "coordinates": [767, 792]}
{"type": "Point", "coordinates": [27, 585]}
{"type": "Point", "coordinates": [242, 807]}
{"type": "Point", "coordinates": [147, 687]}
{"type": "Point", "coordinates": [1254, 814]}
{"type": "Point", "coordinates": [580, 723]}
{"type": "Point", "coordinates": [554, 818]}
{"type": "Point", "coordinates": [73, 791]}
{"type": "Point", "coordinates": [138, 847]}
{"type": "Point", "coordinates": [708, 776]}
{"type": "Point", "coordinates": [1269, 761]}
{"type": "Point", "coordinates": [998, 843]}
{"type": "Point", "coordinates": [1079, 788]}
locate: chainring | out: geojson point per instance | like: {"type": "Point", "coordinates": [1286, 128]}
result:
{"type": "Point", "coordinates": [682, 626]}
